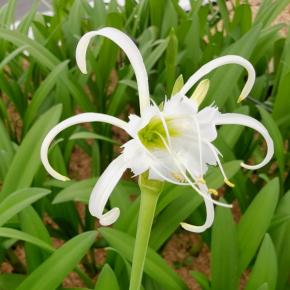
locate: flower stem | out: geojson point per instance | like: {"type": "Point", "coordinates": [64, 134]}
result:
{"type": "Point", "coordinates": [150, 192]}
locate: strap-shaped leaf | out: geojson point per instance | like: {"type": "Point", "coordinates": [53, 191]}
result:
{"type": "Point", "coordinates": [281, 239]}
{"type": "Point", "coordinates": [19, 235]}
{"type": "Point", "coordinates": [26, 160]}
{"type": "Point", "coordinates": [107, 279]}
{"type": "Point", "coordinates": [155, 266]}
{"type": "Point", "coordinates": [51, 273]}
{"type": "Point", "coordinates": [255, 222]}
{"type": "Point", "coordinates": [265, 269]}
{"type": "Point", "coordinates": [224, 248]}
{"type": "Point", "coordinates": [19, 200]}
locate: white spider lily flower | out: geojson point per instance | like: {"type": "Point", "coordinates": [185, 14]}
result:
{"type": "Point", "coordinates": [172, 143]}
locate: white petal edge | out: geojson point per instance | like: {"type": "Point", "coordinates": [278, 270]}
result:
{"type": "Point", "coordinates": [130, 49]}
{"type": "Point", "coordinates": [239, 119]}
{"type": "Point", "coordinates": [103, 189]}
{"type": "Point", "coordinates": [78, 119]}
{"type": "Point", "coordinates": [220, 61]}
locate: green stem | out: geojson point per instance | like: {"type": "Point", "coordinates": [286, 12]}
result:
{"type": "Point", "coordinates": [150, 191]}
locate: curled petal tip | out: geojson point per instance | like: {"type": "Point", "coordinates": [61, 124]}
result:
{"type": "Point", "coordinates": [110, 217]}
{"type": "Point", "coordinates": [65, 178]}
{"type": "Point", "coordinates": [194, 229]}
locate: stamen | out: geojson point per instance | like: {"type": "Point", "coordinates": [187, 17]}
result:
{"type": "Point", "coordinates": [163, 122]}
{"type": "Point", "coordinates": [178, 163]}
{"type": "Point", "coordinates": [228, 183]}
{"type": "Point", "coordinates": [153, 167]}
{"type": "Point", "coordinates": [226, 180]}
{"type": "Point", "coordinates": [213, 191]}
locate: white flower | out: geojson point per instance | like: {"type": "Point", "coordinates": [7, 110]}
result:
{"type": "Point", "coordinates": [173, 142]}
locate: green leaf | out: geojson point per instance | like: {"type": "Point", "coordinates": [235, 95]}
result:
{"type": "Point", "coordinates": [18, 201]}
{"type": "Point", "coordinates": [184, 201]}
{"type": "Point", "coordinates": [277, 138]}
{"type": "Point", "coordinates": [48, 60]}
{"type": "Point", "coordinates": [42, 92]}
{"type": "Point", "coordinates": [19, 235]}
{"type": "Point", "coordinates": [6, 151]}
{"type": "Point", "coordinates": [90, 135]}
{"type": "Point", "coordinates": [231, 134]}
{"type": "Point", "coordinates": [224, 249]}
{"type": "Point", "coordinates": [265, 268]}
{"type": "Point", "coordinates": [155, 266]}
{"type": "Point", "coordinates": [264, 287]}
{"type": "Point", "coordinates": [170, 61]}
{"type": "Point", "coordinates": [107, 279]}
{"type": "Point", "coordinates": [26, 160]}
{"type": "Point", "coordinates": [32, 224]}
{"type": "Point", "coordinates": [282, 100]}
{"type": "Point", "coordinates": [224, 13]}
{"type": "Point", "coordinates": [11, 56]}
{"type": "Point", "coordinates": [9, 14]}
{"type": "Point", "coordinates": [229, 76]}
{"type": "Point", "coordinates": [269, 10]}
{"type": "Point", "coordinates": [10, 281]}
{"type": "Point", "coordinates": [51, 273]}
{"type": "Point", "coordinates": [81, 190]}
{"type": "Point", "coordinates": [255, 222]}
{"type": "Point", "coordinates": [201, 279]}
{"type": "Point", "coordinates": [281, 239]}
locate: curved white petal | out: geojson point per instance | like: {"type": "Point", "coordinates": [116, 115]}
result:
{"type": "Point", "coordinates": [209, 216]}
{"type": "Point", "coordinates": [220, 61]}
{"type": "Point", "coordinates": [239, 119]}
{"type": "Point", "coordinates": [81, 118]}
{"type": "Point", "coordinates": [132, 52]}
{"type": "Point", "coordinates": [103, 189]}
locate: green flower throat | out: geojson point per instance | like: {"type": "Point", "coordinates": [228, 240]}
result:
{"type": "Point", "coordinates": [153, 134]}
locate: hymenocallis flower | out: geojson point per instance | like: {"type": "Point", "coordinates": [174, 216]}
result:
{"type": "Point", "coordinates": [172, 141]}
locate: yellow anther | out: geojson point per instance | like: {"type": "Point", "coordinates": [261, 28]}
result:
{"type": "Point", "coordinates": [213, 191]}
{"type": "Point", "coordinates": [228, 183]}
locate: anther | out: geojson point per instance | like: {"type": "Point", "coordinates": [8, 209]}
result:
{"type": "Point", "coordinates": [213, 191]}
{"type": "Point", "coordinates": [228, 183]}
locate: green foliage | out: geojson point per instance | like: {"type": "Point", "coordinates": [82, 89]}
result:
{"type": "Point", "coordinates": [41, 85]}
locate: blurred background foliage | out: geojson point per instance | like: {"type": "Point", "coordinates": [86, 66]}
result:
{"type": "Point", "coordinates": [41, 85]}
